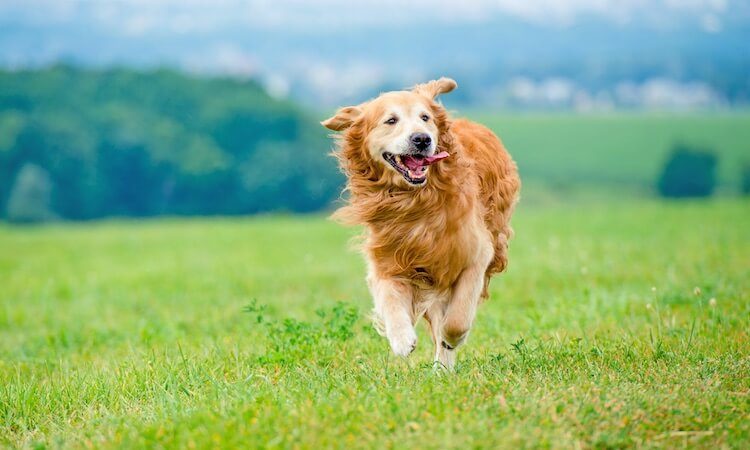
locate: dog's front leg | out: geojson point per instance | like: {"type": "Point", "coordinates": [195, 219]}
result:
{"type": "Point", "coordinates": [393, 308]}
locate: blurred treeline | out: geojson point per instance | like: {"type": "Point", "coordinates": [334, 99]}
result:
{"type": "Point", "coordinates": [82, 144]}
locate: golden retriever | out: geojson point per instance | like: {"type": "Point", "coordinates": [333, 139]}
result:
{"type": "Point", "coordinates": [435, 196]}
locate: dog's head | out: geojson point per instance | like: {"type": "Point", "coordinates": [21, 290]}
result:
{"type": "Point", "coordinates": [398, 132]}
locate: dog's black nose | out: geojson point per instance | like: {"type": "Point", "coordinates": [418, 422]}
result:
{"type": "Point", "coordinates": [421, 141]}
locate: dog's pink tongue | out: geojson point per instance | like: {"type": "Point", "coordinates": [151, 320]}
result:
{"type": "Point", "coordinates": [415, 163]}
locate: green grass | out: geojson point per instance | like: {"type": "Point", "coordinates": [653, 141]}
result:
{"type": "Point", "coordinates": [620, 150]}
{"type": "Point", "coordinates": [253, 332]}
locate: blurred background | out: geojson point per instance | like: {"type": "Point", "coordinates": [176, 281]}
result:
{"type": "Point", "coordinates": [139, 108]}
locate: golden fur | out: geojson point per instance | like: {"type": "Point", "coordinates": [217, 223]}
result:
{"type": "Point", "coordinates": [421, 240]}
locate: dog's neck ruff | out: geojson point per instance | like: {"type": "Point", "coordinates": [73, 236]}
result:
{"type": "Point", "coordinates": [377, 202]}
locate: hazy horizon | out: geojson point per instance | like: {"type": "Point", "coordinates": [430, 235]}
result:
{"type": "Point", "coordinates": [567, 55]}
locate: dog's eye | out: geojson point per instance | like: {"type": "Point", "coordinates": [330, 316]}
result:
{"type": "Point", "coordinates": [392, 121]}
{"type": "Point", "coordinates": [425, 117]}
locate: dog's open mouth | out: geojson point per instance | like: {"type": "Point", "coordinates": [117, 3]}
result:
{"type": "Point", "coordinates": [413, 167]}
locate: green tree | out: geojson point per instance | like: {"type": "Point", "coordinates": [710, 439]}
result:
{"type": "Point", "coordinates": [126, 143]}
{"type": "Point", "coordinates": [745, 179]}
{"type": "Point", "coordinates": [688, 172]}
{"type": "Point", "coordinates": [30, 197]}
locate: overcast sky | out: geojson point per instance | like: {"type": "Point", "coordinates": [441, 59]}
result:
{"type": "Point", "coordinates": [337, 50]}
{"type": "Point", "coordinates": [136, 17]}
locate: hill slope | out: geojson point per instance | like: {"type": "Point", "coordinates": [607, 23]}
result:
{"type": "Point", "coordinates": [617, 151]}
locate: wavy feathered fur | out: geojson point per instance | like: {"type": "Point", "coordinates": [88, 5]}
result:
{"type": "Point", "coordinates": [426, 234]}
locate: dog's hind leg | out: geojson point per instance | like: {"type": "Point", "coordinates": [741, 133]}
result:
{"type": "Point", "coordinates": [435, 316]}
{"type": "Point", "coordinates": [460, 311]}
{"type": "Point", "coordinates": [445, 356]}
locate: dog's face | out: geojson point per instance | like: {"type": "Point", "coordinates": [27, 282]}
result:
{"type": "Point", "coordinates": [401, 131]}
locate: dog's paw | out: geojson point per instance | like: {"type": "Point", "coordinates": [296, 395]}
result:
{"type": "Point", "coordinates": [403, 341]}
{"type": "Point", "coordinates": [445, 360]}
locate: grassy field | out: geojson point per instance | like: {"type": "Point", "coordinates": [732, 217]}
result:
{"type": "Point", "coordinates": [615, 326]}
{"type": "Point", "coordinates": [620, 150]}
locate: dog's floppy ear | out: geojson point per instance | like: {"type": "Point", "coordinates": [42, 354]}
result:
{"type": "Point", "coordinates": [433, 88]}
{"type": "Point", "coordinates": [343, 119]}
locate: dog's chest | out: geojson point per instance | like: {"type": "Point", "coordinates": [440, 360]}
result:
{"type": "Point", "coordinates": [431, 253]}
